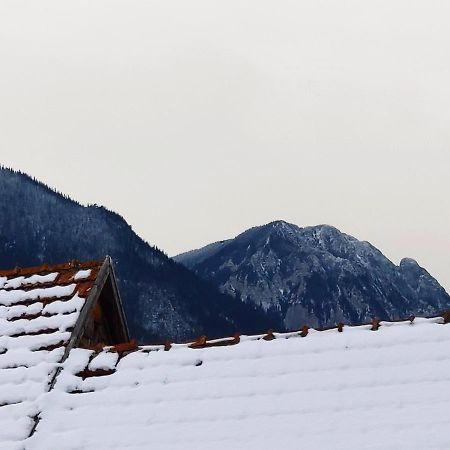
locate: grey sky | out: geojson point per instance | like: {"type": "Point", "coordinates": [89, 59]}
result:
{"type": "Point", "coordinates": [197, 119]}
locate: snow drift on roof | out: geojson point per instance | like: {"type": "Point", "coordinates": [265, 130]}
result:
{"type": "Point", "coordinates": [355, 389]}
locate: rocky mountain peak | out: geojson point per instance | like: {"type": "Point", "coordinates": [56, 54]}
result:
{"type": "Point", "coordinates": [317, 275]}
{"type": "Point", "coordinates": [409, 263]}
{"type": "Point", "coordinates": [281, 226]}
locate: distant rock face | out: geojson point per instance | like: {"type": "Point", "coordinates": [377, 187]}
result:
{"type": "Point", "coordinates": [162, 299]}
{"type": "Point", "coordinates": [316, 276]}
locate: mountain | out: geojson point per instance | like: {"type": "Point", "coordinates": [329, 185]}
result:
{"type": "Point", "coordinates": [162, 299]}
{"type": "Point", "coordinates": [316, 276]}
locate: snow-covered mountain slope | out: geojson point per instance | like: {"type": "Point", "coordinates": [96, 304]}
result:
{"type": "Point", "coordinates": [316, 276]}
{"type": "Point", "coordinates": [162, 299]}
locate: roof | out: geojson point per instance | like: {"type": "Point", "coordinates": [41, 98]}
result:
{"type": "Point", "coordinates": [40, 309]}
{"type": "Point", "coordinates": [379, 386]}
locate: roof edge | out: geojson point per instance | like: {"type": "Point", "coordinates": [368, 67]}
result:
{"type": "Point", "coordinates": [374, 325]}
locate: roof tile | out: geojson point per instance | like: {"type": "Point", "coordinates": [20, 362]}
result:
{"type": "Point", "coordinates": [39, 307]}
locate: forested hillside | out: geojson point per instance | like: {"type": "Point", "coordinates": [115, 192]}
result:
{"type": "Point", "coordinates": [162, 299]}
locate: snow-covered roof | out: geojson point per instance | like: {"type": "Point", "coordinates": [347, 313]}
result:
{"type": "Point", "coordinates": [380, 386]}
{"type": "Point", "coordinates": [39, 309]}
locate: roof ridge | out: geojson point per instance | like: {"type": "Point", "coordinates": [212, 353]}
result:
{"type": "Point", "coordinates": [202, 342]}
{"type": "Point", "coordinates": [303, 331]}
{"type": "Point", "coordinates": [47, 268]}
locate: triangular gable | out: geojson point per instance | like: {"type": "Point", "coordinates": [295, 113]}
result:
{"type": "Point", "coordinates": [102, 320]}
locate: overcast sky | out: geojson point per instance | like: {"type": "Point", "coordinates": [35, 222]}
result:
{"type": "Point", "coordinates": [198, 119]}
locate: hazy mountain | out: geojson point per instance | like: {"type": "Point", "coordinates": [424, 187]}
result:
{"type": "Point", "coordinates": [162, 299]}
{"type": "Point", "coordinates": [316, 276]}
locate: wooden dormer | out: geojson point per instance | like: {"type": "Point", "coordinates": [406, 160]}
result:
{"type": "Point", "coordinates": [102, 320]}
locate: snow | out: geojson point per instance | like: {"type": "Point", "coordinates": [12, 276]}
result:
{"type": "Point", "coordinates": [41, 323]}
{"type": "Point", "coordinates": [82, 275]}
{"type": "Point", "coordinates": [24, 377]}
{"type": "Point", "coordinates": [359, 389]}
{"type": "Point", "coordinates": [12, 312]}
{"type": "Point", "coordinates": [64, 307]}
{"type": "Point", "coordinates": [104, 361]}
{"type": "Point", "coordinates": [15, 283]}
{"type": "Point", "coordinates": [35, 314]}
{"type": "Point", "coordinates": [16, 296]}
